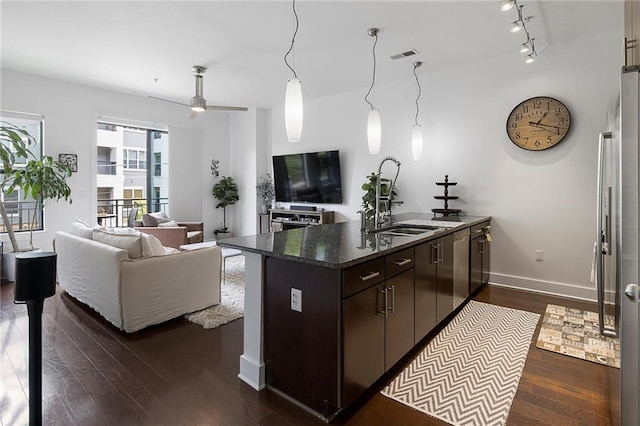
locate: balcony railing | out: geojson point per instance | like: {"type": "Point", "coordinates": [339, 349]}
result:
{"type": "Point", "coordinates": [113, 212]}
{"type": "Point", "coordinates": [106, 168]}
{"type": "Point", "coordinates": [21, 214]}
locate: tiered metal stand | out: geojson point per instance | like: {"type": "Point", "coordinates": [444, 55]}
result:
{"type": "Point", "coordinates": [446, 211]}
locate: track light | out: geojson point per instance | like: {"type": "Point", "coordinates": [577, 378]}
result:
{"type": "Point", "coordinates": [374, 125]}
{"type": "Point", "coordinates": [528, 47]}
{"type": "Point", "coordinates": [293, 102]}
{"type": "Point", "coordinates": [506, 5]}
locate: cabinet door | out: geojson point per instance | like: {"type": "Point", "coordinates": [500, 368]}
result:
{"type": "Point", "coordinates": [444, 277]}
{"type": "Point", "coordinates": [400, 318]}
{"type": "Point", "coordinates": [475, 264]}
{"type": "Point", "coordinates": [364, 345]}
{"type": "Point", "coordinates": [425, 290]}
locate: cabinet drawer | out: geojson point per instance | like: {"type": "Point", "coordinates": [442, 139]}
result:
{"type": "Point", "coordinates": [362, 276]}
{"type": "Point", "coordinates": [400, 262]}
{"type": "Point", "coordinates": [478, 230]}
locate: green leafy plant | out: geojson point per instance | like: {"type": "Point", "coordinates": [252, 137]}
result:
{"type": "Point", "coordinates": [42, 178]}
{"type": "Point", "coordinates": [226, 192]}
{"type": "Point", "coordinates": [369, 197]}
{"type": "Point", "coordinates": [266, 190]}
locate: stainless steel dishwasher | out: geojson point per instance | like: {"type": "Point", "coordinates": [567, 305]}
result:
{"type": "Point", "coordinates": [460, 266]}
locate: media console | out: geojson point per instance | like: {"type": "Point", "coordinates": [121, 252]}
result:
{"type": "Point", "coordinates": [287, 219]}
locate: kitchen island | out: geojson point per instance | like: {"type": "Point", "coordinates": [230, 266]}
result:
{"type": "Point", "coordinates": [329, 309]}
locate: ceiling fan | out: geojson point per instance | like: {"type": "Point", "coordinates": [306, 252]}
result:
{"type": "Point", "coordinates": [198, 102]}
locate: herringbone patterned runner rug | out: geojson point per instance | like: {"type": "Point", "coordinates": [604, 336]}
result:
{"type": "Point", "coordinates": [469, 374]}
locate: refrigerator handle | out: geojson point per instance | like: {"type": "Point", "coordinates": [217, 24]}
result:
{"type": "Point", "coordinates": [601, 236]}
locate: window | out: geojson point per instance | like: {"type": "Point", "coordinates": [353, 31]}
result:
{"type": "Point", "coordinates": [134, 158]}
{"type": "Point", "coordinates": [157, 164]}
{"type": "Point", "coordinates": [21, 208]}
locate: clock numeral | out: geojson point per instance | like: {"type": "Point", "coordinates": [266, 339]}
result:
{"type": "Point", "coordinates": [537, 143]}
{"type": "Point", "coordinates": [561, 120]}
{"type": "Point", "coordinates": [526, 140]}
{"type": "Point", "coordinates": [558, 111]}
{"type": "Point", "coordinates": [525, 108]}
{"type": "Point", "coordinates": [548, 105]}
{"type": "Point", "coordinates": [514, 126]}
{"type": "Point", "coordinates": [518, 116]}
{"type": "Point", "coordinates": [548, 139]}
{"type": "Point", "coordinates": [537, 104]}
{"type": "Point", "coordinates": [517, 135]}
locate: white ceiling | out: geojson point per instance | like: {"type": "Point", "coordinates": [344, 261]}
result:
{"type": "Point", "coordinates": [126, 46]}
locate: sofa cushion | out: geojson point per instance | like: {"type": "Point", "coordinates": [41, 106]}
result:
{"type": "Point", "coordinates": [151, 245]}
{"type": "Point", "coordinates": [80, 228]}
{"type": "Point", "coordinates": [125, 238]}
{"type": "Point", "coordinates": [153, 219]}
{"type": "Point", "coordinates": [169, 224]}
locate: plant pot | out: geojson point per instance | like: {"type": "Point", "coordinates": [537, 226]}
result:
{"type": "Point", "coordinates": [223, 235]}
{"type": "Point", "coordinates": [9, 264]}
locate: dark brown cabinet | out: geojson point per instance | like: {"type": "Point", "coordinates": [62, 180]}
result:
{"type": "Point", "coordinates": [377, 318]}
{"type": "Point", "coordinates": [479, 256]}
{"type": "Point", "coordinates": [434, 284]}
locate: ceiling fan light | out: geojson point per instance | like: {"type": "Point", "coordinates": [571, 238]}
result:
{"type": "Point", "coordinates": [293, 110]}
{"type": "Point", "coordinates": [506, 5]}
{"type": "Point", "coordinates": [529, 60]}
{"type": "Point", "coordinates": [374, 131]}
{"type": "Point", "coordinates": [525, 48]}
{"type": "Point", "coordinates": [516, 26]}
{"type": "Point", "coordinates": [417, 142]}
{"type": "Point", "coordinates": [198, 104]}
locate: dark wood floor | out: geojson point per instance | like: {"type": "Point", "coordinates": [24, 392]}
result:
{"type": "Point", "coordinates": [181, 374]}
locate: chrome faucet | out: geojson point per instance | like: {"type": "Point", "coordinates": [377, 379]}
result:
{"type": "Point", "coordinates": [380, 217]}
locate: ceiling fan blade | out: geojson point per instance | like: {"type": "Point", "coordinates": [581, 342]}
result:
{"type": "Point", "coordinates": [168, 100]}
{"type": "Point", "coordinates": [225, 108]}
{"type": "Point", "coordinates": [193, 115]}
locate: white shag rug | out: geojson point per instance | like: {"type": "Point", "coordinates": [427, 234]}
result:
{"type": "Point", "coordinates": [232, 305]}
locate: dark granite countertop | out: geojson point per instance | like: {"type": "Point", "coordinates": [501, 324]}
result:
{"type": "Point", "coordinates": [341, 245]}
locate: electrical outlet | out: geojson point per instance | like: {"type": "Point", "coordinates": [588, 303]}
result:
{"type": "Point", "coordinates": [296, 300]}
{"type": "Point", "coordinates": [539, 256]}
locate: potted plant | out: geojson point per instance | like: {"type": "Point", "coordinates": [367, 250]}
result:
{"type": "Point", "coordinates": [369, 197]}
{"type": "Point", "coordinates": [41, 178]}
{"type": "Point", "coordinates": [266, 191]}
{"type": "Point", "coordinates": [226, 192]}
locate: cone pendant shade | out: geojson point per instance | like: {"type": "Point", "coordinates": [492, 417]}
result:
{"type": "Point", "coordinates": [293, 110]}
{"type": "Point", "coordinates": [374, 131]}
{"type": "Point", "coordinates": [416, 142]}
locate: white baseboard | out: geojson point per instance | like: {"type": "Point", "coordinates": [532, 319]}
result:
{"type": "Point", "coordinates": [549, 287]}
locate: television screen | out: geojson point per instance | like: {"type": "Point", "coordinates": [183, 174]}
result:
{"type": "Point", "coordinates": [308, 178]}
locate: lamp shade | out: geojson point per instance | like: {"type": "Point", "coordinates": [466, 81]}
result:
{"type": "Point", "coordinates": [416, 142]}
{"type": "Point", "coordinates": [293, 110]}
{"type": "Point", "coordinates": [374, 131]}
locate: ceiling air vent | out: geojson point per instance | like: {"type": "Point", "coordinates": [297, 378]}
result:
{"type": "Point", "coordinates": [404, 54]}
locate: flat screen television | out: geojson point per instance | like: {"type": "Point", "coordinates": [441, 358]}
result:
{"type": "Point", "coordinates": [312, 177]}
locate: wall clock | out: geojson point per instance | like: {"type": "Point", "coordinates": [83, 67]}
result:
{"type": "Point", "coordinates": [538, 123]}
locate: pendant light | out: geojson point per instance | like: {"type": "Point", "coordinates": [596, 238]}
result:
{"type": "Point", "coordinates": [416, 135]}
{"type": "Point", "coordinates": [293, 104]}
{"type": "Point", "coordinates": [374, 128]}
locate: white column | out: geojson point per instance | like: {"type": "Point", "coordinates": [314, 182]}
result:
{"type": "Point", "coordinates": [252, 360]}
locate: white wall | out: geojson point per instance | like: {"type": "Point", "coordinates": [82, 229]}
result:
{"type": "Point", "coordinates": [538, 200]}
{"type": "Point", "coordinates": [71, 111]}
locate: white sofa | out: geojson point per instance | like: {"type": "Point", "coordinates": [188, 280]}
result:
{"type": "Point", "coordinates": [135, 293]}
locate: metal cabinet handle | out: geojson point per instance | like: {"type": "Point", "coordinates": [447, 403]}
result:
{"type": "Point", "coordinates": [393, 298]}
{"type": "Point", "coordinates": [402, 262]}
{"type": "Point", "coordinates": [369, 276]}
{"type": "Point", "coordinates": [383, 311]}
{"type": "Point", "coordinates": [434, 258]}
{"type": "Point", "coordinates": [440, 250]}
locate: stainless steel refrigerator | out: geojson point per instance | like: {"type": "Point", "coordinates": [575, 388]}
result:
{"type": "Point", "coordinates": [617, 273]}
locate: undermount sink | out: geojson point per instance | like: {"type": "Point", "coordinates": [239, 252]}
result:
{"type": "Point", "coordinates": [406, 230]}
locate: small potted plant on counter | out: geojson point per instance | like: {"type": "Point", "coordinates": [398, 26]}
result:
{"type": "Point", "coordinates": [369, 197]}
{"type": "Point", "coordinates": [226, 192]}
{"type": "Point", "coordinates": [266, 192]}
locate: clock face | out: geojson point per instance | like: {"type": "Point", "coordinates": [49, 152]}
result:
{"type": "Point", "coordinates": [538, 123]}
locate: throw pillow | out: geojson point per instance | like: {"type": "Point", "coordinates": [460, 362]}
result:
{"type": "Point", "coordinates": [151, 246]}
{"type": "Point", "coordinates": [124, 240]}
{"type": "Point", "coordinates": [153, 219]}
{"type": "Point", "coordinates": [82, 229]}
{"type": "Point", "coordinates": [170, 224]}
